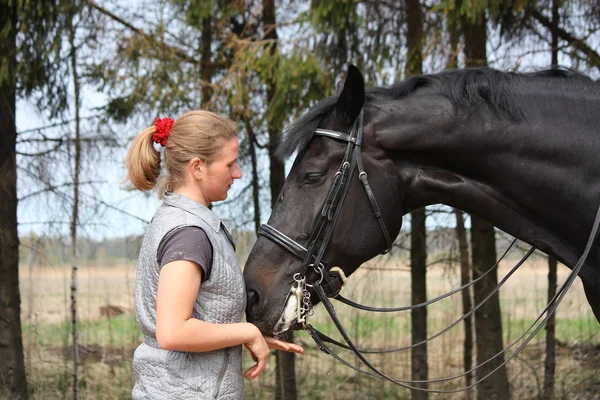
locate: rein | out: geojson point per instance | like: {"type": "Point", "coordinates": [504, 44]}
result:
{"type": "Point", "coordinates": [548, 311]}
{"type": "Point", "coordinates": [329, 282]}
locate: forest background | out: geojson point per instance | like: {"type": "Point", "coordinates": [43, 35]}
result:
{"type": "Point", "coordinates": [79, 79]}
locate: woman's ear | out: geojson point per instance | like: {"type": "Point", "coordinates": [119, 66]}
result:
{"type": "Point", "coordinates": [195, 166]}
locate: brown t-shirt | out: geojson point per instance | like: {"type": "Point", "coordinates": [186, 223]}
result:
{"type": "Point", "coordinates": [187, 243]}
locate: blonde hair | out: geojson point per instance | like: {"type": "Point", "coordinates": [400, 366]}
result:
{"type": "Point", "coordinates": [194, 134]}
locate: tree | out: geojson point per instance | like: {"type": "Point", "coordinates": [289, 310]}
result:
{"type": "Point", "coordinates": [76, 168]}
{"type": "Point", "coordinates": [285, 376]}
{"type": "Point", "coordinates": [465, 278]}
{"type": "Point", "coordinates": [30, 37]}
{"type": "Point", "coordinates": [12, 370]}
{"type": "Point", "coordinates": [532, 24]}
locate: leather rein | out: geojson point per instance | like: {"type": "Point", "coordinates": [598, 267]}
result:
{"type": "Point", "coordinates": [327, 283]}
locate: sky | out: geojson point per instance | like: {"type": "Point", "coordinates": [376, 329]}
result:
{"type": "Point", "coordinates": [35, 213]}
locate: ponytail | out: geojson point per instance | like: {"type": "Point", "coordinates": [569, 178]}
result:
{"type": "Point", "coordinates": [143, 161]}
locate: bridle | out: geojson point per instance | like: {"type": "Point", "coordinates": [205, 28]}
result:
{"type": "Point", "coordinates": [329, 281]}
{"type": "Point", "coordinates": [331, 278]}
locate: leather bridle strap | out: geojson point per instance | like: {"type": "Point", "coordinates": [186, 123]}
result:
{"type": "Point", "coordinates": [362, 175]}
{"type": "Point", "coordinates": [337, 194]}
{"type": "Point", "coordinates": [290, 245]}
{"type": "Point", "coordinates": [322, 232]}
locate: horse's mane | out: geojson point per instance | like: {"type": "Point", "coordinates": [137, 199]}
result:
{"type": "Point", "coordinates": [465, 88]}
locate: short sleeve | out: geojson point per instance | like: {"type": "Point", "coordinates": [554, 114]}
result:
{"type": "Point", "coordinates": [187, 243]}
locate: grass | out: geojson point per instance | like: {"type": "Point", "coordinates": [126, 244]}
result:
{"type": "Point", "coordinates": [107, 344]}
{"type": "Point", "coordinates": [121, 330]}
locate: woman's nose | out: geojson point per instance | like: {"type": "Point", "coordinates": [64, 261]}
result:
{"type": "Point", "coordinates": [237, 172]}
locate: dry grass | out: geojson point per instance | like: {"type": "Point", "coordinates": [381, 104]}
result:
{"type": "Point", "coordinates": [109, 342]}
{"type": "Point", "coordinates": [45, 293]}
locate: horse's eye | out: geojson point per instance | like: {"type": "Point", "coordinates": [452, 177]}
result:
{"type": "Point", "coordinates": [312, 178]}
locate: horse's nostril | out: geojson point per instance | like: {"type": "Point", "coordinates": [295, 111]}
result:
{"type": "Point", "coordinates": [252, 299]}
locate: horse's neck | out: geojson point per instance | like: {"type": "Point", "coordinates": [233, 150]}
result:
{"type": "Point", "coordinates": [534, 178]}
{"type": "Point", "coordinates": [555, 134]}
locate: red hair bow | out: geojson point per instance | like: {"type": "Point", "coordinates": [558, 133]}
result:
{"type": "Point", "coordinates": [162, 126]}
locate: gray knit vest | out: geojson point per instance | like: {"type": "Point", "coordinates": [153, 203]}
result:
{"type": "Point", "coordinates": [163, 374]}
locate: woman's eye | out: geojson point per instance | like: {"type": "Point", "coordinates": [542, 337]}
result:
{"type": "Point", "coordinates": [313, 177]}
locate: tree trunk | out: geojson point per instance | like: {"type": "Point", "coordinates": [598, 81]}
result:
{"type": "Point", "coordinates": [285, 362]}
{"type": "Point", "coordinates": [453, 23]}
{"type": "Point", "coordinates": [277, 171]}
{"type": "Point", "coordinates": [465, 277]}
{"type": "Point", "coordinates": [418, 268]}
{"type": "Point", "coordinates": [75, 212]}
{"type": "Point", "coordinates": [475, 36]}
{"type": "Point", "coordinates": [418, 234]}
{"type": "Point", "coordinates": [592, 56]}
{"type": "Point", "coordinates": [13, 383]}
{"type": "Point", "coordinates": [488, 321]}
{"type": "Point", "coordinates": [550, 361]}
{"type": "Point", "coordinates": [206, 70]}
{"type": "Point", "coordinates": [254, 163]}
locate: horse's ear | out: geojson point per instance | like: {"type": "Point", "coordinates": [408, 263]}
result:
{"type": "Point", "coordinates": [352, 97]}
{"type": "Point", "coordinates": [339, 87]}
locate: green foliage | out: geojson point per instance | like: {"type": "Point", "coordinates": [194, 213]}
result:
{"type": "Point", "coordinates": [299, 82]}
{"type": "Point", "coordinates": [195, 10]}
{"type": "Point", "coordinates": [41, 67]}
{"type": "Point", "coordinates": [340, 15]}
{"type": "Point", "coordinates": [297, 77]}
{"type": "Point", "coordinates": [121, 108]}
{"type": "Point", "coordinates": [473, 10]}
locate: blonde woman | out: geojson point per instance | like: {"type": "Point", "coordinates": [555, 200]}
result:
{"type": "Point", "coordinates": [189, 289]}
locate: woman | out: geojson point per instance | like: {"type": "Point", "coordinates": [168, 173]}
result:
{"type": "Point", "coordinates": [189, 289]}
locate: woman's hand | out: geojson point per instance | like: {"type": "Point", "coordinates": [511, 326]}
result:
{"type": "Point", "coordinates": [276, 344]}
{"type": "Point", "coordinates": [260, 353]}
{"type": "Point", "coordinates": [259, 348]}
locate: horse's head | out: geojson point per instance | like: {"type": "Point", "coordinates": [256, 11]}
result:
{"type": "Point", "coordinates": [324, 210]}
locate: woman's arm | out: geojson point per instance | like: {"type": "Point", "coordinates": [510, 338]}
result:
{"type": "Point", "coordinates": [178, 286]}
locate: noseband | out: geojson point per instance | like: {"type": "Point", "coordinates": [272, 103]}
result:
{"type": "Point", "coordinates": [331, 278]}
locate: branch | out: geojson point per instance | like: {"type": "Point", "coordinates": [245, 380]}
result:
{"type": "Point", "coordinates": [151, 39]}
{"type": "Point", "coordinates": [55, 189]}
{"type": "Point", "coordinates": [41, 153]}
{"type": "Point", "coordinates": [251, 133]}
{"type": "Point", "coordinates": [68, 139]}
{"type": "Point", "coordinates": [578, 44]}
{"type": "Point", "coordinates": [114, 208]}
{"type": "Point", "coordinates": [51, 187]}
{"type": "Point", "coordinates": [62, 123]}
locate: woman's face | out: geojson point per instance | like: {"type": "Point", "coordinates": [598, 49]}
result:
{"type": "Point", "coordinates": [218, 176]}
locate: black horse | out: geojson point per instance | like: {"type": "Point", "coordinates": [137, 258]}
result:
{"type": "Point", "coordinates": [521, 151]}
